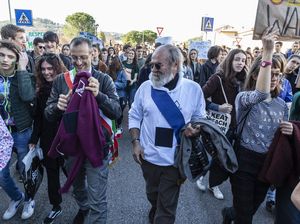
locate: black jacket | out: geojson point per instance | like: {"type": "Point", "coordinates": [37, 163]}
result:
{"type": "Point", "coordinates": [107, 99]}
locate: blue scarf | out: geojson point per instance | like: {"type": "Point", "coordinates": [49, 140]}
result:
{"type": "Point", "coordinates": [169, 110]}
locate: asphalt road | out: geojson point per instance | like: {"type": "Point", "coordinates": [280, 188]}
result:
{"type": "Point", "coordinates": [127, 201]}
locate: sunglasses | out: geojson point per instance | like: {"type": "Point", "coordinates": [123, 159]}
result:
{"type": "Point", "coordinates": [156, 65]}
{"type": "Point", "coordinates": [42, 47]}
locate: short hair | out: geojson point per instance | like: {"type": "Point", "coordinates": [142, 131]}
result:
{"type": "Point", "coordinates": [37, 40]}
{"type": "Point", "coordinates": [126, 46]}
{"type": "Point", "coordinates": [139, 47]}
{"type": "Point", "coordinates": [80, 40]}
{"type": "Point", "coordinates": [213, 52]}
{"type": "Point", "coordinates": [51, 36]}
{"type": "Point", "coordinates": [280, 43]}
{"type": "Point", "coordinates": [10, 31]}
{"type": "Point", "coordinates": [11, 46]}
{"type": "Point", "coordinates": [175, 55]}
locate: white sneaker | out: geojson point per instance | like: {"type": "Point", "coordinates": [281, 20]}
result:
{"type": "Point", "coordinates": [217, 193]}
{"type": "Point", "coordinates": [200, 185]}
{"type": "Point", "coordinates": [12, 208]}
{"type": "Point", "coordinates": [28, 209]}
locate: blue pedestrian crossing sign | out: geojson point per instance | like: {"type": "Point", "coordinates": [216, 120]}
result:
{"type": "Point", "coordinates": [23, 17]}
{"type": "Point", "coordinates": [207, 24]}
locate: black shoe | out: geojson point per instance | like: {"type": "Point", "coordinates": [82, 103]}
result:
{"type": "Point", "coordinates": [270, 205]}
{"type": "Point", "coordinates": [151, 215]}
{"type": "Point", "coordinates": [228, 215]}
{"type": "Point", "coordinates": [52, 215]}
{"type": "Point", "coordinates": [79, 218]}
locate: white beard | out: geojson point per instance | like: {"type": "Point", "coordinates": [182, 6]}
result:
{"type": "Point", "coordinates": [161, 80]}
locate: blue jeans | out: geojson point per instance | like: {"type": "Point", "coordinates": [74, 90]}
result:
{"type": "Point", "coordinates": [21, 140]}
{"type": "Point", "coordinates": [8, 185]}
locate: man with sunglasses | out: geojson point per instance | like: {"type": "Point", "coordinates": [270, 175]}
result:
{"type": "Point", "coordinates": [38, 48]}
{"type": "Point", "coordinates": [161, 107]}
{"type": "Point", "coordinates": [90, 193]}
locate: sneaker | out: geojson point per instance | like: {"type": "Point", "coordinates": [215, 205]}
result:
{"type": "Point", "coordinates": [200, 185]}
{"type": "Point", "coordinates": [270, 205]}
{"type": "Point", "coordinates": [79, 218]}
{"type": "Point", "coordinates": [217, 193]}
{"type": "Point", "coordinates": [52, 215]}
{"type": "Point", "coordinates": [13, 208]}
{"type": "Point", "coordinates": [28, 209]}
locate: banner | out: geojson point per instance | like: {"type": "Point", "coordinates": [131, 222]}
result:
{"type": "Point", "coordinates": [30, 38]}
{"type": "Point", "coordinates": [279, 14]}
{"type": "Point", "coordinates": [202, 48]}
{"type": "Point", "coordinates": [92, 38]}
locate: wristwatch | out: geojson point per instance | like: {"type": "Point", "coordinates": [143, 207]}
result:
{"type": "Point", "coordinates": [265, 63]}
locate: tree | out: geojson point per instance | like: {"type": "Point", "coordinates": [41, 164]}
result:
{"type": "Point", "coordinates": [79, 22]}
{"type": "Point", "coordinates": [137, 37]}
{"type": "Point", "coordinates": [102, 36]}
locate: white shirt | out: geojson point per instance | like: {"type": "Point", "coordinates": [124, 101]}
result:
{"type": "Point", "coordinates": [145, 116]}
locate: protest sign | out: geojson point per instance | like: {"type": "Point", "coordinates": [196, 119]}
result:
{"type": "Point", "coordinates": [223, 120]}
{"type": "Point", "coordinates": [202, 48]}
{"type": "Point", "coordinates": [278, 14]}
{"type": "Point", "coordinates": [30, 38]}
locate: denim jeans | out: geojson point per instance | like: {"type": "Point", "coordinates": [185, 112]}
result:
{"type": "Point", "coordinates": [89, 190]}
{"type": "Point", "coordinates": [8, 184]}
{"type": "Point", "coordinates": [21, 140]}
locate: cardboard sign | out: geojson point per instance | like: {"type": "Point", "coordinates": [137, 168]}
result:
{"type": "Point", "coordinates": [278, 14]}
{"type": "Point", "coordinates": [202, 48]}
{"type": "Point", "coordinates": [221, 119]}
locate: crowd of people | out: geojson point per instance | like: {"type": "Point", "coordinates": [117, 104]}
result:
{"type": "Point", "coordinates": [69, 101]}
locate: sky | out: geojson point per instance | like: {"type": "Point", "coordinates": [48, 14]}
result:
{"type": "Point", "coordinates": [180, 19]}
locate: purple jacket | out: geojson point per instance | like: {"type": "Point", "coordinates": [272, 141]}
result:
{"type": "Point", "coordinates": [80, 134]}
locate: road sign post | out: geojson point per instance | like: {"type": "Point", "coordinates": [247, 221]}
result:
{"type": "Point", "coordinates": [23, 17]}
{"type": "Point", "coordinates": [207, 24]}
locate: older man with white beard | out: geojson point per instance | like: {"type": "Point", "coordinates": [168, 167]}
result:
{"type": "Point", "coordinates": [161, 107]}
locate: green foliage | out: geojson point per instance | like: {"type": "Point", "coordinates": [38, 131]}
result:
{"type": "Point", "coordinates": [79, 22]}
{"type": "Point", "coordinates": [137, 37]}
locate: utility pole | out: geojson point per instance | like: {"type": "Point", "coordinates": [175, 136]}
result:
{"type": "Point", "coordinates": [9, 11]}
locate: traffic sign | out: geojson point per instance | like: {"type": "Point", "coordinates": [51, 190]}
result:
{"type": "Point", "coordinates": [159, 30]}
{"type": "Point", "coordinates": [23, 17]}
{"type": "Point", "coordinates": [207, 24]}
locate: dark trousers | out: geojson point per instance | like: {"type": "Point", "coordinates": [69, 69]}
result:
{"type": "Point", "coordinates": [286, 212]}
{"type": "Point", "coordinates": [162, 189]}
{"type": "Point", "coordinates": [248, 192]}
{"type": "Point", "coordinates": [52, 168]}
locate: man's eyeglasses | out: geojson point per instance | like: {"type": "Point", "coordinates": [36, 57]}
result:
{"type": "Point", "coordinates": [81, 58]}
{"type": "Point", "coordinates": [156, 65]}
{"type": "Point", "coordinates": [41, 47]}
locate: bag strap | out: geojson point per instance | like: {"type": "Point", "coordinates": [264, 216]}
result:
{"type": "Point", "coordinates": [68, 80]}
{"type": "Point", "coordinates": [244, 121]}
{"type": "Point", "coordinates": [225, 97]}
{"type": "Point", "coordinates": [169, 110]}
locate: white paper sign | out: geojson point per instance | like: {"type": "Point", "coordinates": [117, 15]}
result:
{"type": "Point", "coordinates": [202, 48]}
